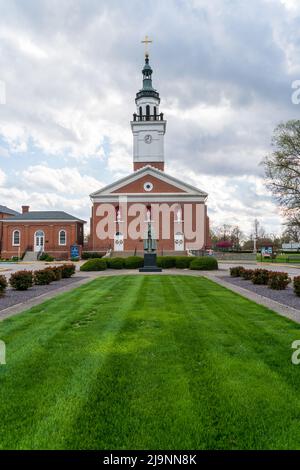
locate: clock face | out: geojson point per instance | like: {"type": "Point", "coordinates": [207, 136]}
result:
{"type": "Point", "coordinates": [148, 139]}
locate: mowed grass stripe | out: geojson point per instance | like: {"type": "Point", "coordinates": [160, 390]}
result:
{"type": "Point", "coordinates": [149, 362]}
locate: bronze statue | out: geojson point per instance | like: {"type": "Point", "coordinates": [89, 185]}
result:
{"type": "Point", "coordinates": [149, 242]}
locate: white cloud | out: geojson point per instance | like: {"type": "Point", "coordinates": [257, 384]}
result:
{"type": "Point", "coordinates": [223, 70]}
{"type": "Point", "coordinates": [2, 177]}
{"type": "Point", "coordinates": [63, 180]}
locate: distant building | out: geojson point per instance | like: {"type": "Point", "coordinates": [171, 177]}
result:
{"type": "Point", "coordinates": [293, 246]}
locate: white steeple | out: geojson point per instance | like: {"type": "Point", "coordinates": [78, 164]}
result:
{"type": "Point", "coordinates": [148, 125]}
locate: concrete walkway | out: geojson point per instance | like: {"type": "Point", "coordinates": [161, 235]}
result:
{"type": "Point", "coordinates": [217, 277]}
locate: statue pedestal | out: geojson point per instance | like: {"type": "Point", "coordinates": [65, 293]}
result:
{"type": "Point", "coordinates": [150, 265]}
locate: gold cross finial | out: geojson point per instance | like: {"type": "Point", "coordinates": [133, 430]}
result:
{"type": "Point", "coordinates": [146, 41]}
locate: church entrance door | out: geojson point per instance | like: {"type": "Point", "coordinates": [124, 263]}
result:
{"type": "Point", "coordinates": [39, 241]}
{"type": "Point", "coordinates": [179, 241]}
{"type": "Point", "coordinates": [119, 242]}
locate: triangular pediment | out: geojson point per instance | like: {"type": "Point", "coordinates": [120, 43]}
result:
{"type": "Point", "coordinates": [148, 180]}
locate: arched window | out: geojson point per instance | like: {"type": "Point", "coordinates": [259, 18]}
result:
{"type": "Point", "coordinates": [147, 112]}
{"type": "Point", "coordinates": [62, 237]}
{"type": "Point", "coordinates": [154, 112]}
{"type": "Point", "coordinates": [16, 238]}
{"type": "Point", "coordinates": [141, 113]}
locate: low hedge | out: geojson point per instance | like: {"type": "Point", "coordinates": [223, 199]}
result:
{"type": "Point", "coordinates": [278, 280]}
{"type": "Point", "coordinates": [166, 262]}
{"type": "Point", "coordinates": [94, 264]}
{"type": "Point", "coordinates": [46, 257]}
{"type": "Point", "coordinates": [57, 271]}
{"type": "Point", "coordinates": [68, 270]}
{"type": "Point", "coordinates": [116, 263]}
{"type": "Point", "coordinates": [236, 271]}
{"type": "Point", "coordinates": [133, 262]}
{"type": "Point", "coordinates": [91, 255]}
{"type": "Point", "coordinates": [21, 280]}
{"type": "Point", "coordinates": [43, 277]}
{"type": "Point", "coordinates": [297, 285]}
{"type": "Point", "coordinates": [3, 285]}
{"type": "Point", "coordinates": [260, 277]}
{"type": "Point", "coordinates": [247, 274]}
{"type": "Point", "coordinates": [183, 262]}
{"type": "Point", "coordinates": [204, 263]}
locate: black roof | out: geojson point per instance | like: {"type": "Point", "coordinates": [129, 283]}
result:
{"type": "Point", "coordinates": [44, 215]}
{"type": "Point", "coordinates": [7, 210]}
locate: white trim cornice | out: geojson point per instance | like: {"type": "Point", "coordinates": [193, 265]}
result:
{"type": "Point", "coordinates": [148, 198]}
{"type": "Point", "coordinates": [156, 173]}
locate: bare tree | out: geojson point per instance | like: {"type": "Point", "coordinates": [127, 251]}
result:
{"type": "Point", "coordinates": [223, 232]}
{"type": "Point", "coordinates": [235, 237]}
{"type": "Point", "coordinates": [258, 230]}
{"type": "Point", "coordinates": [282, 169]}
{"type": "Point", "coordinates": [291, 234]}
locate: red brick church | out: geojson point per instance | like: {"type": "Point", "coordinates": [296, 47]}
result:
{"type": "Point", "coordinates": [121, 211]}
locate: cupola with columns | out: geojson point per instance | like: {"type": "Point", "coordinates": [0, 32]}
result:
{"type": "Point", "coordinates": [148, 124]}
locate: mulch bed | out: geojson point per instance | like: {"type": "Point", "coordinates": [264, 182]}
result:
{"type": "Point", "coordinates": [286, 297]}
{"type": "Point", "coordinates": [14, 297]}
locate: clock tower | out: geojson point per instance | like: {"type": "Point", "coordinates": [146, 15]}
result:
{"type": "Point", "coordinates": [148, 125]}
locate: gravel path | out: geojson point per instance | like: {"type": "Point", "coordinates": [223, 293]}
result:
{"type": "Point", "coordinates": [286, 297]}
{"type": "Point", "coordinates": [14, 297]}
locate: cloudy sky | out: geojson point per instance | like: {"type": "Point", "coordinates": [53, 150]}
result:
{"type": "Point", "coordinates": [71, 68]}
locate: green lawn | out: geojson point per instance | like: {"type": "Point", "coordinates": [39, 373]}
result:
{"type": "Point", "coordinates": [292, 258]}
{"type": "Point", "coordinates": [149, 362]}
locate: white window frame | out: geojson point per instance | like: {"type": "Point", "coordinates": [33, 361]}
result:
{"type": "Point", "coordinates": [62, 244]}
{"type": "Point", "coordinates": [13, 238]}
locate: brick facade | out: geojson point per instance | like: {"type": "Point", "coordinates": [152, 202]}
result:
{"type": "Point", "coordinates": [164, 191]}
{"type": "Point", "coordinates": [74, 235]}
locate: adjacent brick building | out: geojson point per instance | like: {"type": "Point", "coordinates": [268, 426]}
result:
{"type": "Point", "coordinates": [35, 232]}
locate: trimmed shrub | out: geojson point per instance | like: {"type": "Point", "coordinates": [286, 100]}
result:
{"type": "Point", "coordinates": [296, 285]}
{"type": "Point", "coordinates": [134, 262]}
{"type": "Point", "coordinates": [236, 271]}
{"type": "Point", "coordinates": [43, 277]}
{"type": "Point", "coordinates": [95, 264]}
{"type": "Point", "coordinates": [75, 259]}
{"type": "Point", "coordinates": [68, 270]}
{"type": "Point", "coordinates": [21, 280]}
{"type": "Point", "coordinates": [91, 255]}
{"type": "Point", "coordinates": [278, 280]}
{"type": "Point", "coordinates": [57, 270]}
{"type": "Point", "coordinates": [204, 263]}
{"type": "Point", "coordinates": [166, 262]}
{"type": "Point", "coordinates": [3, 285]}
{"type": "Point", "coordinates": [247, 274]}
{"type": "Point", "coordinates": [46, 257]}
{"type": "Point", "coordinates": [260, 276]}
{"type": "Point", "coordinates": [183, 262]}
{"type": "Point", "coordinates": [116, 263]}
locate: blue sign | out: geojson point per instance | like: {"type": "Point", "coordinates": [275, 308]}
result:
{"type": "Point", "coordinates": [74, 251]}
{"type": "Point", "coordinates": [266, 250]}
